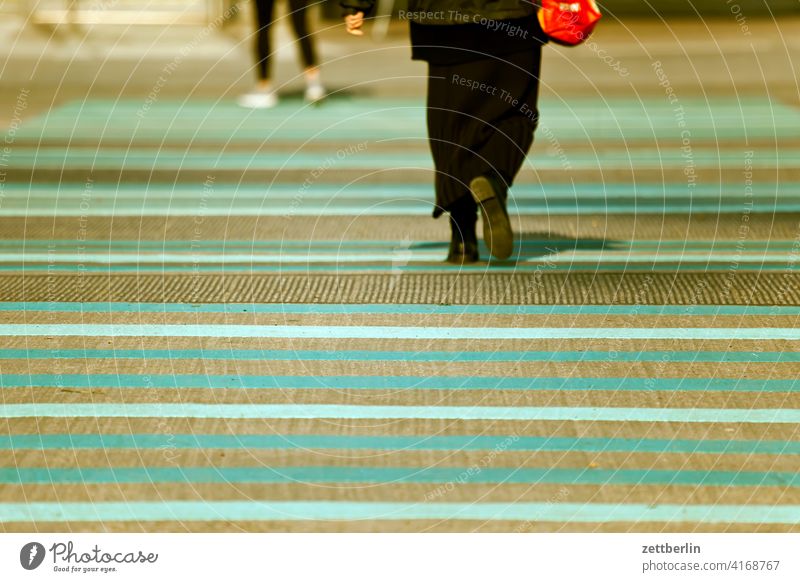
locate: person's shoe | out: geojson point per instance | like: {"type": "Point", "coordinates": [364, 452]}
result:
{"type": "Point", "coordinates": [463, 240]}
{"type": "Point", "coordinates": [462, 253]}
{"type": "Point", "coordinates": [314, 92]}
{"type": "Point", "coordinates": [496, 226]}
{"type": "Point", "coordinates": [258, 99]}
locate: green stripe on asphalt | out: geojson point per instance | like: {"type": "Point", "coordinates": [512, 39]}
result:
{"type": "Point", "coordinates": [133, 158]}
{"type": "Point", "coordinates": [433, 475]}
{"type": "Point", "coordinates": [394, 443]}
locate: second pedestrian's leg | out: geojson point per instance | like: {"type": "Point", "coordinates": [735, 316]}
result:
{"type": "Point", "coordinates": [262, 96]}
{"type": "Point", "coordinates": [299, 17]}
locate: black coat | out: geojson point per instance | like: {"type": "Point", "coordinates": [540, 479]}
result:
{"type": "Point", "coordinates": [452, 11]}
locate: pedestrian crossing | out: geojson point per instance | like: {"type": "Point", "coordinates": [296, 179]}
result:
{"type": "Point", "coordinates": [215, 319]}
{"type": "Point", "coordinates": [348, 121]}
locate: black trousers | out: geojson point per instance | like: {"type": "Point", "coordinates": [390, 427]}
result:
{"type": "Point", "coordinates": [481, 118]}
{"type": "Point", "coordinates": [264, 10]}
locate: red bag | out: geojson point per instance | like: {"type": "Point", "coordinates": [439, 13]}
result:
{"type": "Point", "coordinates": [568, 23]}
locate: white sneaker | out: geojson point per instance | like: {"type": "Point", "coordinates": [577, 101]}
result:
{"type": "Point", "coordinates": [314, 92]}
{"type": "Point", "coordinates": [258, 99]}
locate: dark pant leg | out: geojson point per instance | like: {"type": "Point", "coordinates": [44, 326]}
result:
{"type": "Point", "coordinates": [263, 48]}
{"type": "Point", "coordinates": [444, 141]}
{"type": "Point", "coordinates": [511, 131]}
{"type": "Point", "coordinates": [300, 25]}
{"type": "Point", "coordinates": [487, 131]}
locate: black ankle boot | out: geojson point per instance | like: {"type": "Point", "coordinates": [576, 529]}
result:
{"type": "Point", "coordinates": [490, 194]}
{"type": "Point", "coordinates": [463, 241]}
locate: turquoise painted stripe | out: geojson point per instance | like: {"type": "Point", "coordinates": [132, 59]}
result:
{"type": "Point", "coordinates": [377, 119]}
{"type": "Point", "coordinates": [325, 411]}
{"type": "Point", "coordinates": [402, 254]}
{"type": "Point", "coordinates": [375, 131]}
{"type": "Point", "coordinates": [132, 157]}
{"type": "Point", "coordinates": [736, 107]}
{"type": "Point", "coordinates": [401, 309]}
{"type": "Point", "coordinates": [21, 209]}
{"type": "Point", "coordinates": [350, 511]}
{"type": "Point", "coordinates": [202, 132]}
{"type": "Point", "coordinates": [334, 474]}
{"type": "Point", "coordinates": [377, 126]}
{"type": "Point", "coordinates": [665, 356]}
{"type": "Point", "coordinates": [411, 115]}
{"type": "Point", "coordinates": [154, 381]}
{"type": "Point", "coordinates": [393, 332]}
{"type": "Point", "coordinates": [439, 267]}
{"type": "Point", "coordinates": [386, 113]}
{"type": "Point", "coordinates": [389, 209]}
{"type": "Point", "coordinates": [394, 443]}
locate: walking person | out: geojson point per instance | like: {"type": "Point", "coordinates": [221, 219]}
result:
{"type": "Point", "coordinates": [483, 84]}
{"type": "Point", "coordinates": [263, 96]}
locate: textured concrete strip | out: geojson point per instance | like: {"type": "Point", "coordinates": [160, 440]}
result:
{"type": "Point", "coordinates": [683, 313]}
{"type": "Point", "coordinates": [733, 288]}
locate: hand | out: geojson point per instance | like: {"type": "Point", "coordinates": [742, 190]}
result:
{"type": "Point", "coordinates": [354, 22]}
